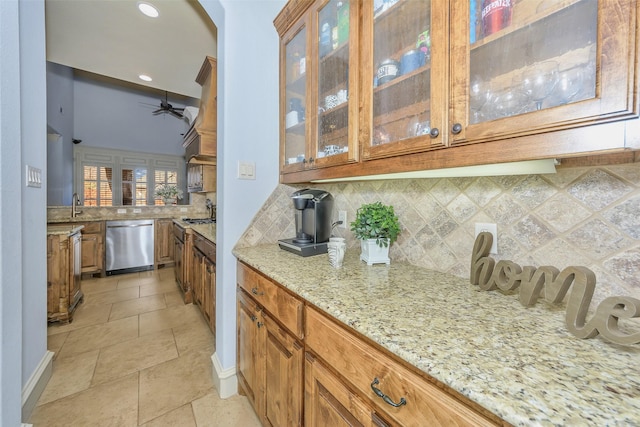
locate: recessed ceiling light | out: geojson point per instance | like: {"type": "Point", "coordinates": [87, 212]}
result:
{"type": "Point", "coordinates": [145, 77]}
{"type": "Point", "coordinates": [148, 9]}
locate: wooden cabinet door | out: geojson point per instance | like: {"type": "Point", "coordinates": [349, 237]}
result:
{"type": "Point", "coordinates": [163, 241]}
{"type": "Point", "coordinates": [196, 274]}
{"type": "Point", "coordinates": [546, 66]}
{"type": "Point", "coordinates": [209, 295]}
{"type": "Point", "coordinates": [178, 248]}
{"type": "Point", "coordinates": [250, 352]}
{"type": "Point", "coordinates": [328, 402]}
{"type": "Point", "coordinates": [283, 377]}
{"type": "Point", "coordinates": [404, 77]}
{"type": "Point", "coordinates": [75, 262]}
{"type": "Point", "coordinates": [92, 253]}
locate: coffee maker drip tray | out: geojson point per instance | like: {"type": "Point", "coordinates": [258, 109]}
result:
{"type": "Point", "coordinates": [303, 249]}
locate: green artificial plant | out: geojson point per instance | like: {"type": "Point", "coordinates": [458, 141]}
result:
{"type": "Point", "coordinates": [376, 221]}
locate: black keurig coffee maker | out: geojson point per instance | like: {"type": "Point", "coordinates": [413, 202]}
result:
{"type": "Point", "coordinates": [313, 210]}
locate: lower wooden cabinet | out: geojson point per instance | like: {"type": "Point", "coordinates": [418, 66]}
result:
{"type": "Point", "coordinates": [329, 402]}
{"type": "Point", "coordinates": [202, 278]}
{"type": "Point", "coordinates": [92, 247]}
{"type": "Point", "coordinates": [270, 357]}
{"type": "Point", "coordinates": [396, 393]}
{"type": "Point", "coordinates": [163, 242]}
{"type": "Point", "coordinates": [182, 254]}
{"type": "Point", "coordinates": [327, 374]}
{"type": "Point", "coordinates": [64, 257]}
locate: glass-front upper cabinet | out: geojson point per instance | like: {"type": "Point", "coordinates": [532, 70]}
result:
{"type": "Point", "coordinates": [405, 44]}
{"type": "Point", "coordinates": [336, 87]}
{"type": "Point", "coordinates": [536, 65]}
{"type": "Point", "coordinates": [293, 104]}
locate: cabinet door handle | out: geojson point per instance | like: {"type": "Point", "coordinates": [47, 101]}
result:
{"type": "Point", "coordinates": [384, 397]}
{"type": "Point", "coordinates": [456, 129]}
{"type": "Point", "coordinates": [310, 159]}
{"type": "Point", "coordinates": [434, 132]}
{"type": "Point", "coordinates": [254, 318]}
{"type": "Point", "coordinates": [255, 292]}
{"type": "Point", "coordinates": [260, 324]}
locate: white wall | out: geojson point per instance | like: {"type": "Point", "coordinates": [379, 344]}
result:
{"type": "Point", "coordinates": [60, 121]}
{"type": "Point", "coordinates": [120, 117]}
{"type": "Point", "coordinates": [10, 217]}
{"type": "Point", "coordinates": [248, 52]}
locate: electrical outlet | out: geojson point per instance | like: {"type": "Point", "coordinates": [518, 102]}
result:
{"type": "Point", "coordinates": [122, 211]}
{"type": "Point", "coordinates": [137, 210]}
{"type": "Point", "coordinates": [342, 216]}
{"type": "Point", "coordinates": [491, 228]}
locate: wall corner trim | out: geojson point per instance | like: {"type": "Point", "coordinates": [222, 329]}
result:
{"type": "Point", "coordinates": [35, 385]}
{"type": "Point", "coordinates": [225, 380]}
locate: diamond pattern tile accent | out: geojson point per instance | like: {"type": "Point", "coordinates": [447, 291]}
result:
{"type": "Point", "coordinates": [584, 216]}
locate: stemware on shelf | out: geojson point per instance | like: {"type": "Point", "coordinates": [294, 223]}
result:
{"type": "Point", "coordinates": [479, 94]}
{"type": "Point", "coordinates": [539, 80]}
{"type": "Point", "coordinates": [569, 84]}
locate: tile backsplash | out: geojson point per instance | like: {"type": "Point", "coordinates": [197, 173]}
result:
{"type": "Point", "coordinates": [586, 216]}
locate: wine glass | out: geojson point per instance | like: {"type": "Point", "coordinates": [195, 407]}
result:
{"type": "Point", "coordinates": [539, 81]}
{"type": "Point", "coordinates": [510, 102]}
{"type": "Point", "coordinates": [569, 84]}
{"type": "Point", "coordinates": [479, 95]}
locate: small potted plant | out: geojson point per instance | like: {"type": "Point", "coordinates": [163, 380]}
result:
{"type": "Point", "coordinates": [377, 227]}
{"type": "Point", "coordinates": [168, 193]}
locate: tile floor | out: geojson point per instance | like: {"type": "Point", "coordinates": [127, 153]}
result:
{"type": "Point", "coordinates": [135, 355]}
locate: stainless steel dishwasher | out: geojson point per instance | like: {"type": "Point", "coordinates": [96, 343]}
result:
{"type": "Point", "coordinates": [129, 246]}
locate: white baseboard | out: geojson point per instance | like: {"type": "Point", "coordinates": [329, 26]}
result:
{"type": "Point", "coordinates": [225, 381]}
{"type": "Point", "coordinates": [36, 384]}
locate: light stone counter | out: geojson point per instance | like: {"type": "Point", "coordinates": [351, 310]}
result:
{"type": "Point", "coordinates": [63, 230]}
{"type": "Point", "coordinates": [520, 363]}
{"type": "Point", "coordinates": [208, 231]}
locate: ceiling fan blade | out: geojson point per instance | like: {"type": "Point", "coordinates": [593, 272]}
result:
{"type": "Point", "coordinates": [177, 109]}
{"type": "Point", "coordinates": [158, 111]}
{"type": "Point", "coordinates": [175, 113]}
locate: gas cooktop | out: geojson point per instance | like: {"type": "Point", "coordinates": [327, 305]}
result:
{"type": "Point", "coordinates": [199, 220]}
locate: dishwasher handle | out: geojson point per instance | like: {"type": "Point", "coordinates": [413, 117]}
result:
{"type": "Point", "coordinates": [129, 226]}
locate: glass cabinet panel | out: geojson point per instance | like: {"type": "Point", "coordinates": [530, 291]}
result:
{"type": "Point", "coordinates": [333, 79]}
{"type": "Point", "coordinates": [295, 76]}
{"type": "Point", "coordinates": [402, 70]}
{"type": "Point", "coordinates": [530, 56]}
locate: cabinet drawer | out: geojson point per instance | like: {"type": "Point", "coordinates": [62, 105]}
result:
{"type": "Point", "coordinates": [95, 227]}
{"type": "Point", "coordinates": [361, 363]}
{"type": "Point", "coordinates": [178, 232]}
{"type": "Point", "coordinates": [207, 247]}
{"type": "Point", "coordinates": [282, 305]}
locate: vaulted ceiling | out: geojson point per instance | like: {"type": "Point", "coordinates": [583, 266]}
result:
{"type": "Point", "coordinates": [113, 38]}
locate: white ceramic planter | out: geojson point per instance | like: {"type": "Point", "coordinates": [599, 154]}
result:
{"type": "Point", "coordinates": [372, 253]}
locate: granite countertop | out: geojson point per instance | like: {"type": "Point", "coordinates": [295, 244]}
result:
{"type": "Point", "coordinates": [208, 231]}
{"type": "Point", "coordinates": [63, 229]}
{"type": "Point", "coordinates": [519, 363]}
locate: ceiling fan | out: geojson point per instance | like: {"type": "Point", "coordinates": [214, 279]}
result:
{"type": "Point", "coordinates": [165, 107]}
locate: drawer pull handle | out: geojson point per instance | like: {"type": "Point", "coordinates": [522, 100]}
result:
{"type": "Point", "coordinates": [255, 292]}
{"type": "Point", "coordinates": [253, 318]}
{"type": "Point", "coordinates": [384, 397]}
{"type": "Point", "coordinates": [260, 324]}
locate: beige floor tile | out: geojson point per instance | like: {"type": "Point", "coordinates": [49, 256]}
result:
{"type": "Point", "coordinates": [136, 306]}
{"type": "Point", "coordinates": [194, 336]}
{"type": "Point", "coordinates": [70, 375]}
{"type": "Point", "coordinates": [168, 318]}
{"type": "Point", "coordinates": [100, 336]}
{"type": "Point", "coordinates": [83, 316]}
{"type": "Point", "coordinates": [95, 286]}
{"type": "Point", "coordinates": [134, 355]}
{"type": "Point", "coordinates": [112, 404]}
{"type": "Point", "coordinates": [109, 297]}
{"type": "Point", "coordinates": [174, 297]}
{"type": "Point", "coordinates": [211, 411]}
{"type": "Point", "coordinates": [181, 417]}
{"type": "Point", "coordinates": [133, 280]}
{"type": "Point", "coordinates": [166, 273]}
{"type": "Point", "coordinates": [157, 288]}
{"type": "Point", "coordinates": [55, 341]}
{"type": "Point", "coordinates": [172, 384]}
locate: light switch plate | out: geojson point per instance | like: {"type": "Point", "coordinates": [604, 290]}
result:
{"type": "Point", "coordinates": [34, 176]}
{"type": "Point", "coordinates": [246, 170]}
{"type": "Point", "coordinates": [137, 210]}
{"type": "Point", "coordinates": [122, 211]}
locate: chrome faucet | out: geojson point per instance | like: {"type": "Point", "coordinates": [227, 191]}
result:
{"type": "Point", "coordinates": [75, 201]}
